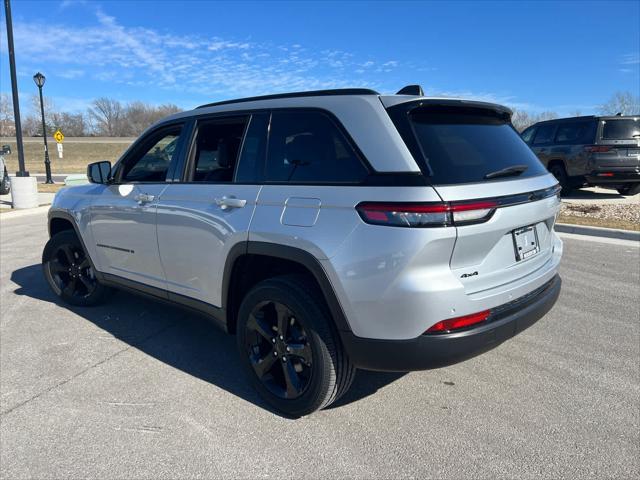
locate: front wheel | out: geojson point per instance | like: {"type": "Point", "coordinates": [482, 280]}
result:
{"type": "Point", "coordinates": [69, 272]}
{"type": "Point", "coordinates": [289, 347]}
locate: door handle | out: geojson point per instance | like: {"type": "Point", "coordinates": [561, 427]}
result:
{"type": "Point", "coordinates": [142, 198]}
{"type": "Point", "coordinates": [230, 202]}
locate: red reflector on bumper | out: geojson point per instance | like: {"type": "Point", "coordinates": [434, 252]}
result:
{"type": "Point", "coordinates": [459, 322]}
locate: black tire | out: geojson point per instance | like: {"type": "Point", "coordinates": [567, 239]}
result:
{"type": "Point", "coordinates": [558, 171]}
{"type": "Point", "coordinates": [629, 189]}
{"type": "Point", "coordinates": [309, 328]}
{"type": "Point", "coordinates": [5, 184]}
{"type": "Point", "coordinates": [69, 271]}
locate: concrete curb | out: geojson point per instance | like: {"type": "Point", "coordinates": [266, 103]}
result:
{"type": "Point", "coordinates": [598, 231]}
{"type": "Point", "coordinates": [23, 213]}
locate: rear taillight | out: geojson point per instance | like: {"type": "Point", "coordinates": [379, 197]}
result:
{"type": "Point", "coordinates": [452, 324]}
{"type": "Point", "coordinates": [426, 214]}
{"type": "Point", "coordinates": [597, 148]}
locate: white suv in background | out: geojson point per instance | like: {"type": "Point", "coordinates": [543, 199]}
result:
{"type": "Point", "coordinates": [329, 230]}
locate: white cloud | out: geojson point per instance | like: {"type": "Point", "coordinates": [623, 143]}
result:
{"type": "Point", "coordinates": [71, 73]}
{"type": "Point", "coordinates": [630, 59]}
{"type": "Point", "coordinates": [108, 51]}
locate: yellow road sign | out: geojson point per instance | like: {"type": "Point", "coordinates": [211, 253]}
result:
{"type": "Point", "coordinates": [59, 137]}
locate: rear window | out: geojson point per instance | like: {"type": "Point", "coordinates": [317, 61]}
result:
{"type": "Point", "coordinates": [464, 145]}
{"type": "Point", "coordinates": [623, 129]}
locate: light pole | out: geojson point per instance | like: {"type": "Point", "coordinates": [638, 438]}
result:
{"type": "Point", "coordinates": [39, 79]}
{"type": "Point", "coordinates": [22, 172]}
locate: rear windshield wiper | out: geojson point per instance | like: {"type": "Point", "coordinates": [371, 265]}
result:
{"type": "Point", "coordinates": [507, 172]}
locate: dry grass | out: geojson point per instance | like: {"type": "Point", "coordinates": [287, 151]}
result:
{"type": "Point", "coordinates": [600, 222]}
{"type": "Point", "coordinates": [78, 153]}
{"type": "Point", "coordinates": [49, 188]}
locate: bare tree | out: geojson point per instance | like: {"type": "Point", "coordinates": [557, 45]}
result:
{"type": "Point", "coordinates": [50, 113]}
{"type": "Point", "coordinates": [31, 126]}
{"type": "Point", "coordinates": [621, 102]}
{"type": "Point", "coordinates": [71, 124]}
{"type": "Point", "coordinates": [107, 115]}
{"type": "Point", "coordinates": [522, 119]}
{"type": "Point", "coordinates": [7, 126]}
{"type": "Point", "coordinates": [139, 115]}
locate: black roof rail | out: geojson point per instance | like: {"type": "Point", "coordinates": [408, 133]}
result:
{"type": "Point", "coordinates": [311, 93]}
{"type": "Point", "coordinates": [561, 119]}
{"type": "Point", "coordinates": [411, 90]}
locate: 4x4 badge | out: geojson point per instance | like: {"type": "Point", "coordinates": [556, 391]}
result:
{"type": "Point", "coordinates": [467, 275]}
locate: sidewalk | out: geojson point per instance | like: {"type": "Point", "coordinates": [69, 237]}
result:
{"type": "Point", "coordinates": [43, 199]}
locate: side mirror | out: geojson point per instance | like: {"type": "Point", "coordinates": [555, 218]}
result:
{"type": "Point", "coordinates": [99, 172]}
{"type": "Point", "coordinates": [6, 150]}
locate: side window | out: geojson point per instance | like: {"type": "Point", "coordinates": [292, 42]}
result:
{"type": "Point", "coordinates": [571, 133]}
{"type": "Point", "coordinates": [216, 149]}
{"type": "Point", "coordinates": [152, 163]}
{"type": "Point", "coordinates": [253, 150]}
{"type": "Point", "coordinates": [544, 134]}
{"type": "Point", "coordinates": [307, 147]}
{"type": "Point", "coordinates": [528, 134]}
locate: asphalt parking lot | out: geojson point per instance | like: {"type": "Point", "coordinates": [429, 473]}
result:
{"type": "Point", "coordinates": [135, 389]}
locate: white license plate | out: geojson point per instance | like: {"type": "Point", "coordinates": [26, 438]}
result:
{"type": "Point", "coordinates": [525, 242]}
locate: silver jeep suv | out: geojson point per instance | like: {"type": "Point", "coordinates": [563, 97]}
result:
{"type": "Point", "coordinates": [329, 230]}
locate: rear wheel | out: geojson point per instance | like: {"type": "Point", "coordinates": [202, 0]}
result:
{"type": "Point", "coordinates": [629, 189]}
{"type": "Point", "coordinates": [558, 171]}
{"type": "Point", "coordinates": [69, 272]}
{"type": "Point", "coordinates": [289, 348]}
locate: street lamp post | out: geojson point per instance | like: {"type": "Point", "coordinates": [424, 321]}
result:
{"type": "Point", "coordinates": [39, 79]}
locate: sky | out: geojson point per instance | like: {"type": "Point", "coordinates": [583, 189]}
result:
{"type": "Point", "coordinates": [536, 56]}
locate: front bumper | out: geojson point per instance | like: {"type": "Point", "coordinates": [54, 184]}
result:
{"type": "Point", "coordinates": [432, 351]}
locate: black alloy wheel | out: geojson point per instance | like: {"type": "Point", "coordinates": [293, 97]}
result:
{"type": "Point", "coordinates": [289, 346]}
{"type": "Point", "coordinates": [69, 271]}
{"type": "Point", "coordinates": [278, 349]}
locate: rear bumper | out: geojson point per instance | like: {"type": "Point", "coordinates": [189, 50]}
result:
{"type": "Point", "coordinates": [614, 175]}
{"type": "Point", "coordinates": [432, 351]}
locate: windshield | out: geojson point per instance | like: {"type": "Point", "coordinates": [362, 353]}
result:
{"type": "Point", "coordinates": [622, 129]}
{"type": "Point", "coordinates": [464, 145]}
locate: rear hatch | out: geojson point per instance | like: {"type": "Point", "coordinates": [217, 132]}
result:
{"type": "Point", "coordinates": [473, 155]}
{"type": "Point", "coordinates": [618, 142]}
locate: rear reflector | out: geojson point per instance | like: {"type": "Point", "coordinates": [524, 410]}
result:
{"type": "Point", "coordinates": [597, 148]}
{"type": "Point", "coordinates": [425, 214]}
{"type": "Point", "coordinates": [606, 174]}
{"type": "Point", "coordinates": [452, 324]}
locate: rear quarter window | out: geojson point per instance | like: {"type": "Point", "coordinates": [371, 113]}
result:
{"type": "Point", "coordinates": [308, 147]}
{"type": "Point", "coordinates": [572, 133]}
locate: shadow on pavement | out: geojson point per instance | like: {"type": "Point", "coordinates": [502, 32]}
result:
{"type": "Point", "coordinates": [180, 339]}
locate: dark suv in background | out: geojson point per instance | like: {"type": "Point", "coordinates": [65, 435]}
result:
{"type": "Point", "coordinates": [594, 151]}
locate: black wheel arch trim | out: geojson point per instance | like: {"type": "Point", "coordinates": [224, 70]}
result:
{"type": "Point", "coordinates": [63, 215]}
{"type": "Point", "coordinates": [294, 254]}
